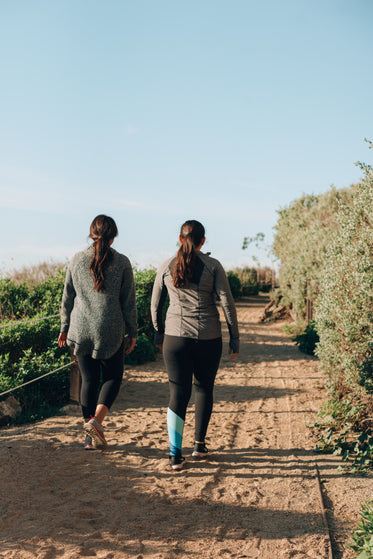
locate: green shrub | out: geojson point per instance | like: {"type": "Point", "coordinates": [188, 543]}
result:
{"type": "Point", "coordinates": [144, 281]}
{"type": "Point", "coordinates": [366, 374]}
{"type": "Point", "coordinates": [144, 351]}
{"type": "Point", "coordinates": [303, 232]}
{"type": "Point", "coordinates": [337, 425]}
{"type": "Point", "coordinates": [325, 246]}
{"type": "Point", "coordinates": [362, 539]}
{"type": "Point", "coordinates": [308, 339]}
{"type": "Point", "coordinates": [234, 284]}
{"type": "Point", "coordinates": [38, 335]}
{"type": "Point", "coordinates": [249, 280]}
{"type": "Point", "coordinates": [14, 299]}
{"type": "Point", "coordinates": [344, 314]}
{"type": "Point", "coordinates": [52, 391]}
{"type": "Point", "coordinates": [44, 396]}
{"type": "Point", "coordinates": [29, 299]}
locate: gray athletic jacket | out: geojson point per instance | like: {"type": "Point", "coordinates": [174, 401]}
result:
{"type": "Point", "coordinates": [193, 312]}
{"type": "Point", "coordinates": [96, 322]}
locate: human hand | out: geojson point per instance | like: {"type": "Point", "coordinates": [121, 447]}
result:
{"type": "Point", "coordinates": [62, 339]}
{"type": "Point", "coordinates": [129, 345]}
{"type": "Point", "coordinates": [234, 346]}
{"type": "Point", "coordinates": [233, 355]}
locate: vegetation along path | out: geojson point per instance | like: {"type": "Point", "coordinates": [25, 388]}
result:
{"type": "Point", "coordinates": [257, 496]}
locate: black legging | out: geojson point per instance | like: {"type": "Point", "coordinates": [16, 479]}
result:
{"type": "Point", "coordinates": [112, 374]}
{"type": "Point", "coordinates": [185, 358]}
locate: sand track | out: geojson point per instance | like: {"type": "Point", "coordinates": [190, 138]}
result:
{"type": "Point", "coordinates": [257, 495]}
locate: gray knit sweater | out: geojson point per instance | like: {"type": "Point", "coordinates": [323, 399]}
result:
{"type": "Point", "coordinates": [97, 322]}
{"type": "Point", "coordinates": [193, 312]}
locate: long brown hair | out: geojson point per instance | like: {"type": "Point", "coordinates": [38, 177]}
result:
{"type": "Point", "coordinates": [192, 233]}
{"type": "Point", "coordinates": [103, 229]}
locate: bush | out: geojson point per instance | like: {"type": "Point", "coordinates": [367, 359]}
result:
{"type": "Point", "coordinates": [344, 320]}
{"type": "Point", "coordinates": [308, 339]}
{"type": "Point", "coordinates": [344, 313]}
{"type": "Point", "coordinates": [44, 396]}
{"type": "Point", "coordinates": [304, 231]}
{"type": "Point", "coordinates": [362, 539]}
{"type": "Point", "coordinates": [234, 284]}
{"type": "Point", "coordinates": [144, 281]}
{"type": "Point", "coordinates": [29, 299]}
{"type": "Point", "coordinates": [144, 351]}
{"type": "Point", "coordinates": [39, 336]}
{"type": "Point", "coordinates": [249, 280]}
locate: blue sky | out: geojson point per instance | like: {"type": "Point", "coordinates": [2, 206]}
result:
{"type": "Point", "coordinates": [157, 111]}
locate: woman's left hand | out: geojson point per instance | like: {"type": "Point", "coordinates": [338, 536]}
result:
{"type": "Point", "coordinates": [129, 345]}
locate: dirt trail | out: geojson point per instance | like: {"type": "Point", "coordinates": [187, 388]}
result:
{"type": "Point", "coordinates": [257, 495]}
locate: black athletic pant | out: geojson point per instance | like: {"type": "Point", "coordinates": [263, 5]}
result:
{"type": "Point", "coordinates": [112, 374]}
{"type": "Point", "coordinates": [186, 358]}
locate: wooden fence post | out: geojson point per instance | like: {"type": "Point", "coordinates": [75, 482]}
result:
{"type": "Point", "coordinates": [75, 380]}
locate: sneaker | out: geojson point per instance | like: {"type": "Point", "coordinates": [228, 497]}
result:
{"type": "Point", "coordinates": [95, 430]}
{"type": "Point", "coordinates": [88, 444]}
{"type": "Point", "coordinates": [176, 462]}
{"type": "Point", "coordinates": [200, 450]}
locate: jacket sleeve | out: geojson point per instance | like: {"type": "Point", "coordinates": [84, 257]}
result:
{"type": "Point", "coordinates": [159, 295]}
{"type": "Point", "coordinates": [67, 303]}
{"type": "Point", "coordinates": [223, 291]}
{"type": "Point", "coordinates": [128, 301]}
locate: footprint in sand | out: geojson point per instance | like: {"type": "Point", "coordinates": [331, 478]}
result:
{"type": "Point", "coordinates": [221, 492]}
{"type": "Point", "coordinates": [48, 552]}
{"type": "Point", "coordinates": [116, 524]}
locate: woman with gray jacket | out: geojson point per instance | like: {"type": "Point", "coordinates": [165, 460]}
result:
{"type": "Point", "coordinates": [98, 309]}
{"type": "Point", "coordinates": [191, 338]}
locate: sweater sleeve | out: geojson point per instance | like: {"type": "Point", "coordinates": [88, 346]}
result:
{"type": "Point", "coordinates": [223, 291]}
{"type": "Point", "coordinates": [128, 302]}
{"type": "Point", "coordinates": [159, 295]}
{"type": "Point", "coordinates": [67, 301]}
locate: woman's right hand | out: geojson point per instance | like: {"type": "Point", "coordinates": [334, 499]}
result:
{"type": "Point", "coordinates": [129, 345]}
{"type": "Point", "coordinates": [234, 347]}
{"type": "Point", "coordinates": [62, 339]}
{"type": "Point", "coordinates": [233, 355]}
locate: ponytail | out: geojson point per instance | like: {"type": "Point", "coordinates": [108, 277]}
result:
{"type": "Point", "coordinates": [192, 233]}
{"type": "Point", "coordinates": [103, 229]}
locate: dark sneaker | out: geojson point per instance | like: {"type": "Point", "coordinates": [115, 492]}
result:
{"type": "Point", "coordinates": [88, 444]}
{"type": "Point", "coordinates": [96, 432]}
{"type": "Point", "coordinates": [176, 462]}
{"type": "Point", "coordinates": [200, 450]}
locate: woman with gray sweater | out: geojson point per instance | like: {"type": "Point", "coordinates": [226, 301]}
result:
{"type": "Point", "coordinates": [98, 310]}
{"type": "Point", "coordinates": [191, 339]}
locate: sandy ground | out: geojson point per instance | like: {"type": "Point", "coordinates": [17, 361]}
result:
{"type": "Point", "coordinates": [256, 496]}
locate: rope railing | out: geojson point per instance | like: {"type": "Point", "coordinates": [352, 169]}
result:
{"type": "Point", "coordinates": [35, 379]}
{"type": "Point", "coordinates": [19, 322]}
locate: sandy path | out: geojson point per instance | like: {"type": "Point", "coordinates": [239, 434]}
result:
{"type": "Point", "coordinates": [256, 496]}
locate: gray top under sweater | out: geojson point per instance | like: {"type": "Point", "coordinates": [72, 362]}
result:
{"type": "Point", "coordinates": [193, 312]}
{"type": "Point", "coordinates": [96, 322]}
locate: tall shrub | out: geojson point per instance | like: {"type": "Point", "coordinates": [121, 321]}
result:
{"type": "Point", "coordinates": [234, 284]}
{"type": "Point", "coordinates": [345, 305]}
{"type": "Point", "coordinates": [303, 232]}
